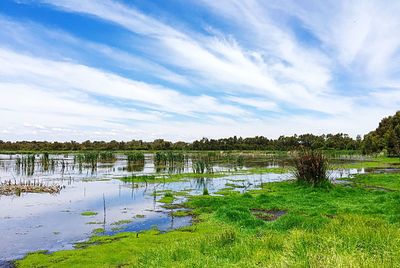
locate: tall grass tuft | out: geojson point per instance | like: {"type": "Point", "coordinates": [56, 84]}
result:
{"type": "Point", "coordinates": [107, 157]}
{"type": "Point", "coordinates": [311, 168]}
{"type": "Point", "coordinates": [135, 161]}
{"type": "Point", "coordinates": [135, 157]}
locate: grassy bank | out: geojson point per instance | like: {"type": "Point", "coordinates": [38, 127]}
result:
{"type": "Point", "coordinates": [373, 162]}
{"type": "Point", "coordinates": [281, 225]}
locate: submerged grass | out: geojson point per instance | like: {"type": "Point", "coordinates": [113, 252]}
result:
{"type": "Point", "coordinates": [375, 162]}
{"type": "Point", "coordinates": [89, 213]}
{"type": "Point", "coordinates": [321, 227]}
{"type": "Point", "coordinates": [388, 181]}
{"type": "Point", "coordinates": [168, 198]}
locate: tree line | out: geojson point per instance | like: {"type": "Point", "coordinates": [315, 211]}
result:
{"type": "Point", "coordinates": [338, 141]}
{"type": "Point", "coordinates": [386, 139]}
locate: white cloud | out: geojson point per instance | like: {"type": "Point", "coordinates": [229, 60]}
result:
{"type": "Point", "coordinates": [256, 103]}
{"type": "Point", "coordinates": [350, 73]}
{"type": "Point", "coordinates": [222, 62]}
{"type": "Point", "coordinates": [57, 44]}
{"type": "Point", "coordinates": [70, 76]}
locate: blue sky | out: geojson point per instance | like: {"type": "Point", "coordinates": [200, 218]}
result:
{"type": "Point", "coordinates": [187, 69]}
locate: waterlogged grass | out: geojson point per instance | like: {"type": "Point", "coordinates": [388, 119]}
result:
{"type": "Point", "coordinates": [181, 213]}
{"type": "Point", "coordinates": [98, 231]}
{"type": "Point", "coordinates": [226, 191]}
{"type": "Point", "coordinates": [121, 222]}
{"type": "Point", "coordinates": [168, 198]}
{"type": "Point", "coordinates": [277, 170]}
{"type": "Point", "coordinates": [187, 176]}
{"type": "Point", "coordinates": [94, 222]}
{"type": "Point", "coordinates": [389, 181]}
{"type": "Point", "coordinates": [89, 213]}
{"type": "Point", "coordinates": [336, 227]}
{"type": "Point", "coordinates": [376, 162]}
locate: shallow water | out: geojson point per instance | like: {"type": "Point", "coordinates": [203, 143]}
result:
{"type": "Point", "coordinates": [32, 222]}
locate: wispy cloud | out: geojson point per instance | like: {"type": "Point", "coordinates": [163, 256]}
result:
{"type": "Point", "coordinates": [256, 68]}
{"type": "Point", "coordinates": [223, 62]}
{"type": "Point", "coordinates": [65, 76]}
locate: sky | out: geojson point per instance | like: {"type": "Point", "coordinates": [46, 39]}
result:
{"type": "Point", "coordinates": [187, 69]}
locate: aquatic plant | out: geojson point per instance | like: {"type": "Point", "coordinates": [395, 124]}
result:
{"type": "Point", "coordinates": [240, 161]}
{"type": "Point", "coordinates": [169, 158]}
{"type": "Point", "coordinates": [107, 156]}
{"type": "Point", "coordinates": [91, 158]}
{"type": "Point", "coordinates": [89, 213]}
{"type": "Point", "coordinates": [201, 166]}
{"type": "Point", "coordinates": [168, 198]}
{"type": "Point", "coordinates": [205, 191]}
{"type": "Point", "coordinates": [45, 161]}
{"type": "Point", "coordinates": [88, 158]}
{"type": "Point", "coordinates": [26, 164]}
{"type": "Point", "coordinates": [12, 187]}
{"type": "Point", "coordinates": [135, 157]}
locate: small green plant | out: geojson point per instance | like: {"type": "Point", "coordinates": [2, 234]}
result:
{"type": "Point", "coordinates": [168, 198]}
{"type": "Point", "coordinates": [168, 194]}
{"type": "Point", "coordinates": [98, 231]}
{"type": "Point", "coordinates": [205, 191]}
{"type": "Point", "coordinates": [89, 213]}
{"type": "Point", "coordinates": [311, 168]}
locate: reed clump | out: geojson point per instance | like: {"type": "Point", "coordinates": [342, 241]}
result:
{"type": "Point", "coordinates": [169, 158]}
{"type": "Point", "coordinates": [202, 165]}
{"type": "Point", "coordinates": [12, 187]}
{"type": "Point", "coordinates": [26, 164]}
{"type": "Point", "coordinates": [107, 157]}
{"type": "Point", "coordinates": [135, 157]}
{"type": "Point", "coordinates": [311, 168]}
{"type": "Point", "coordinates": [135, 161]}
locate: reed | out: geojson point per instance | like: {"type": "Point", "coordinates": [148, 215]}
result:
{"type": "Point", "coordinates": [201, 166]}
{"type": "Point", "coordinates": [135, 157]}
{"type": "Point", "coordinates": [107, 157]}
{"type": "Point", "coordinates": [12, 187]}
{"type": "Point", "coordinates": [311, 168]}
{"type": "Point", "coordinates": [45, 161]}
{"type": "Point", "coordinates": [26, 164]}
{"type": "Point", "coordinates": [169, 158]}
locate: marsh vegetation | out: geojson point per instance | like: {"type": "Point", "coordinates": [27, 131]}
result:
{"type": "Point", "coordinates": [249, 208]}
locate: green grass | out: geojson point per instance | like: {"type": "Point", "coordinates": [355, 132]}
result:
{"type": "Point", "coordinates": [168, 198]}
{"type": "Point", "coordinates": [98, 231]}
{"type": "Point", "coordinates": [170, 177]}
{"type": "Point", "coordinates": [389, 181]}
{"type": "Point", "coordinates": [187, 176]}
{"type": "Point", "coordinates": [337, 227]}
{"type": "Point", "coordinates": [233, 185]}
{"type": "Point", "coordinates": [181, 213]}
{"type": "Point", "coordinates": [376, 162]}
{"type": "Point", "coordinates": [226, 191]}
{"type": "Point", "coordinates": [89, 213]}
{"type": "Point", "coordinates": [258, 170]}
